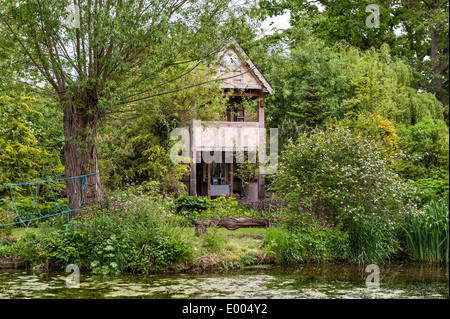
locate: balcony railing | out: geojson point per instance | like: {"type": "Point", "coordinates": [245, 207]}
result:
{"type": "Point", "coordinates": [227, 136]}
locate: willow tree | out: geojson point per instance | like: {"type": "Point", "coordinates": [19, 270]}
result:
{"type": "Point", "coordinates": [95, 55]}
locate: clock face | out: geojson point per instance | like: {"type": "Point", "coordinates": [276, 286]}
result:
{"type": "Point", "coordinates": [231, 58]}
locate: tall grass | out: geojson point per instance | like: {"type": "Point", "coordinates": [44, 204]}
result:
{"type": "Point", "coordinates": [371, 239]}
{"type": "Point", "coordinates": [427, 234]}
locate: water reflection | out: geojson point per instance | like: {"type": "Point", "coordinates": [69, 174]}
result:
{"type": "Point", "coordinates": [397, 280]}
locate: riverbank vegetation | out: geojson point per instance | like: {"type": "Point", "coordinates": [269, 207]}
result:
{"type": "Point", "coordinates": [143, 234]}
{"type": "Point", "coordinates": [363, 173]}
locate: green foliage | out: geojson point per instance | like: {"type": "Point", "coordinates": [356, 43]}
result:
{"type": "Point", "coordinates": [212, 241]}
{"type": "Point", "coordinates": [432, 188]}
{"type": "Point", "coordinates": [306, 234]}
{"type": "Point", "coordinates": [427, 234]}
{"type": "Point", "coordinates": [143, 66]}
{"type": "Point", "coordinates": [315, 83]}
{"type": "Point", "coordinates": [247, 171]}
{"type": "Point", "coordinates": [424, 28]}
{"type": "Point", "coordinates": [348, 175]}
{"type": "Point", "coordinates": [26, 208]}
{"type": "Point", "coordinates": [284, 245]}
{"type": "Point", "coordinates": [108, 256]}
{"type": "Point", "coordinates": [267, 207]}
{"type": "Point", "coordinates": [192, 203]}
{"type": "Point", "coordinates": [289, 129]}
{"type": "Point", "coordinates": [48, 129]}
{"type": "Point", "coordinates": [148, 189]}
{"type": "Point", "coordinates": [302, 246]}
{"type": "Point", "coordinates": [139, 151]}
{"type": "Point", "coordinates": [26, 248]}
{"type": "Point", "coordinates": [56, 250]}
{"type": "Point", "coordinates": [310, 86]}
{"type": "Point", "coordinates": [201, 207]}
{"type": "Point", "coordinates": [229, 206]}
{"type": "Point", "coordinates": [372, 239]}
{"type": "Point", "coordinates": [168, 249]}
{"type": "Point", "coordinates": [7, 216]}
{"type": "Point", "coordinates": [129, 233]}
{"type": "Point", "coordinates": [427, 142]}
{"type": "Point", "coordinates": [376, 128]}
{"type": "Point", "coordinates": [21, 157]}
{"type": "Point", "coordinates": [6, 248]}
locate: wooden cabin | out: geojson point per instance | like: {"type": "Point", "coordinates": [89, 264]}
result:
{"type": "Point", "coordinates": [214, 172]}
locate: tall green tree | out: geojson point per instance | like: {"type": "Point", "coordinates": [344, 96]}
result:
{"type": "Point", "coordinates": [309, 87]}
{"type": "Point", "coordinates": [96, 55]}
{"type": "Point", "coordinates": [315, 84]}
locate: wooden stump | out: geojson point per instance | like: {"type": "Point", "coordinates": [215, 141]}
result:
{"type": "Point", "coordinates": [230, 223]}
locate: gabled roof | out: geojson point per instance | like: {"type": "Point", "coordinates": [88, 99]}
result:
{"type": "Point", "coordinates": [249, 67]}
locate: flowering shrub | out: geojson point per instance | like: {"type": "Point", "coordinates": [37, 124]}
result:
{"type": "Point", "coordinates": [301, 216]}
{"type": "Point", "coordinates": [350, 178]}
{"type": "Point", "coordinates": [348, 175]}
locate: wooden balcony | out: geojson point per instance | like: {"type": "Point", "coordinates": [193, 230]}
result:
{"type": "Point", "coordinates": [227, 136]}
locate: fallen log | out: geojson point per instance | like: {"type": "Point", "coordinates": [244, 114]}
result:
{"type": "Point", "coordinates": [230, 223]}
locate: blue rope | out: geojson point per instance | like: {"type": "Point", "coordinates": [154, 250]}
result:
{"type": "Point", "coordinates": [48, 180]}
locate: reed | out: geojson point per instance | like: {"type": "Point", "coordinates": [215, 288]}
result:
{"type": "Point", "coordinates": [427, 234]}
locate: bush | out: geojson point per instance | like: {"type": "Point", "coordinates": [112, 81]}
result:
{"type": "Point", "coordinates": [427, 142]}
{"type": "Point", "coordinates": [56, 250]}
{"type": "Point", "coordinates": [26, 248]}
{"type": "Point", "coordinates": [6, 249]}
{"type": "Point", "coordinates": [432, 188]}
{"type": "Point", "coordinates": [25, 208]}
{"type": "Point", "coordinates": [137, 234]}
{"type": "Point", "coordinates": [192, 203]}
{"type": "Point", "coordinates": [292, 247]}
{"type": "Point", "coordinates": [352, 179]}
{"type": "Point", "coordinates": [201, 207]}
{"type": "Point", "coordinates": [227, 206]}
{"type": "Point", "coordinates": [348, 175]}
{"type": "Point", "coordinates": [166, 249]}
{"type": "Point", "coordinates": [306, 235]}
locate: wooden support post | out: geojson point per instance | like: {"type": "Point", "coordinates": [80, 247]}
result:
{"type": "Point", "coordinates": [261, 103]}
{"type": "Point", "coordinates": [231, 177]}
{"type": "Point", "coordinates": [209, 180]}
{"type": "Point", "coordinates": [226, 170]}
{"type": "Point", "coordinates": [202, 180]}
{"type": "Point", "coordinates": [193, 176]}
{"type": "Point", "coordinates": [261, 187]}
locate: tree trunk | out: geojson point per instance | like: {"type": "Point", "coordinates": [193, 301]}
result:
{"type": "Point", "coordinates": [230, 223]}
{"type": "Point", "coordinates": [81, 157]}
{"type": "Point", "coordinates": [439, 64]}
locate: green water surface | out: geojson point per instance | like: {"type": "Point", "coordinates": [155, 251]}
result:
{"type": "Point", "coordinates": [305, 281]}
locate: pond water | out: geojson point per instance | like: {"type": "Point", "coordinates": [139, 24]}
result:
{"type": "Point", "coordinates": [306, 281]}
